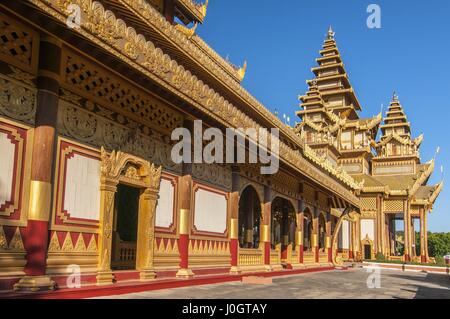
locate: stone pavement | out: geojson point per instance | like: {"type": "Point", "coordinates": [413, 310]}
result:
{"type": "Point", "coordinates": [336, 284]}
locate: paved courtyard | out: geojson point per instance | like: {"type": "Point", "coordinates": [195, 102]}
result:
{"type": "Point", "coordinates": [336, 284]}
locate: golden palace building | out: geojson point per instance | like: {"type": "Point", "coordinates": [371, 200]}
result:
{"type": "Point", "coordinates": [86, 176]}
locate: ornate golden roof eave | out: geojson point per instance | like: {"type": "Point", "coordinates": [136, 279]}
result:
{"type": "Point", "coordinates": [141, 55]}
{"type": "Point", "coordinates": [373, 123]}
{"type": "Point", "coordinates": [330, 168]}
{"type": "Point", "coordinates": [407, 124]}
{"type": "Point", "coordinates": [422, 178]}
{"type": "Point", "coordinates": [418, 140]}
{"type": "Point", "coordinates": [327, 66]}
{"type": "Point", "coordinates": [241, 71]}
{"type": "Point", "coordinates": [198, 50]}
{"type": "Point", "coordinates": [390, 137]}
{"type": "Point", "coordinates": [327, 78]}
{"type": "Point", "coordinates": [197, 11]}
{"type": "Point", "coordinates": [436, 192]}
{"type": "Point", "coordinates": [377, 189]}
{"type": "Point", "coordinates": [186, 31]}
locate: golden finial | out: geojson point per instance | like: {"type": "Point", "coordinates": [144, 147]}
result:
{"type": "Point", "coordinates": [394, 97]}
{"type": "Point", "coordinates": [242, 70]}
{"type": "Point", "coordinates": [331, 33]}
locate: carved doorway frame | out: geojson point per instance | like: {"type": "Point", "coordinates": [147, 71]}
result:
{"type": "Point", "coordinates": [367, 242]}
{"type": "Point", "coordinates": [118, 167]}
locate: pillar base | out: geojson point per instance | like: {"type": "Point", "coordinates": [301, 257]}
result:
{"type": "Point", "coordinates": [35, 284]}
{"type": "Point", "coordinates": [268, 267]}
{"type": "Point", "coordinates": [298, 266]}
{"type": "Point", "coordinates": [147, 275]}
{"type": "Point", "coordinates": [105, 278]}
{"type": "Point", "coordinates": [235, 270]}
{"type": "Point", "coordinates": [185, 273]}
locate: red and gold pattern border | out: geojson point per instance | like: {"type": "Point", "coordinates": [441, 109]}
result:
{"type": "Point", "coordinates": [61, 219]}
{"type": "Point", "coordinates": [14, 211]}
{"type": "Point", "coordinates": [172, 229]}
{"type": "Point", "coordinates": [199, 234]}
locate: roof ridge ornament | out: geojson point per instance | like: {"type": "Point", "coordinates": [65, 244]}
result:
{"type": "Point", "coordinates": [242, 70]}
{"type": "Point", "coordinates": [204, 8]}
{"type": "Point", "coordinates": [394, 97]}
{"type": "Point", "coordinates": [330, 33]}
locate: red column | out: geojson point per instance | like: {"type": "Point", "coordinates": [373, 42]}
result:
{"type": "Point", "coordinates": [36, 234]}
{"type": "Point", "coordinates": [300, 230]}
{"type": "Point", "coordinates": [234, 219]}
{"type": "Point", "coordinates": [316, 234]}
{"type": "Point", "coordinates": [185, 188]}
{"type": "Point", "coordinates": [265, 227]}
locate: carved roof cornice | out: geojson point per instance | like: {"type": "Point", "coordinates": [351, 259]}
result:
{"type": "Point", "coordinates": [436, 192]}
{"type": "Point", "coordinates": [422, 178]}
{"type": "Point", "coordinates": [329, 167]}
{"type": "Point", "coordinates": [197, 10]}
{"type": "Point", "coordinates": [365, 125]}
{"type": "Point", "coordinates": [113, 35]}
{"type": "Point", "coordinates": [390, 137]}
{"type": "Point", "coordinates": [196, 48]}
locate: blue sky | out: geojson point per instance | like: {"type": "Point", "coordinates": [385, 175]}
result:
{"type": "Point", "coordinates": [280, 39]}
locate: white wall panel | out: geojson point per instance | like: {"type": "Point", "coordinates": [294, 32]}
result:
{"type": "Point", "coordinates": [82, 187]}
{"type": "Point", "coordinates": [210, 211]}
{"type": "Point", "coordinates": [345, 235]}
{"type": "Point", "coordinates": [164, 207]}
{"type": "Point", "coordinates": [7, 151]}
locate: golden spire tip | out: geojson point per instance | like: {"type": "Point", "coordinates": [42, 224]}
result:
{"type": "Point", "coordinates": [330, 33]}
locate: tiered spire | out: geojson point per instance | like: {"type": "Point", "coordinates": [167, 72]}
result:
{"type": "Point", "coordinates": [332, 81]}
{"type": "Point", "coordinates": [395, 120]}
{"type": "Point", "coordinates": [396, 138]}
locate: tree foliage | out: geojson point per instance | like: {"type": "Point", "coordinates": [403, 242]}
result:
{"type": "Point", "coordinates": [438, 244]}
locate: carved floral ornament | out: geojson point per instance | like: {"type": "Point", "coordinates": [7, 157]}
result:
{"type": "Point", "coordinates": [113, 165]}
{"type": "Point", "coordinates": [123, 41]}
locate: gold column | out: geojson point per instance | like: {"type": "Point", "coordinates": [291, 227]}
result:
{"type": "Point", "coordinates": [107, 193]}
{"type": "Point", "coordinates": [146, 237]}
{"type": "Point", "coordinates": [425, 227]}
{"type": "Point", "coordinates": [407, 230]}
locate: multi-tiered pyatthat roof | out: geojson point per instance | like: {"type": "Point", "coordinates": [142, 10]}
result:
{"type": "Point", "coordinates": [396, 140]}
{"type": "Point", "coordinates": [330, 122]}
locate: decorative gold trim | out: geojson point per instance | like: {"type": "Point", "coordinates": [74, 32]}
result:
{"type": "Point", "coordinates": [184, 221]}
{"type": "Point", "coordinates": [234, 228]}
{"type": "Point", "coordinates": [40, 201]}
{"type": "Point", "coordinates": [265, 233]}
{"type": "Point", "coordinates": [22, 173]}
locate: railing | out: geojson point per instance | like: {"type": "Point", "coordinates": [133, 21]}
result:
{"type": "Point", "coordinates": [275, 256]}
{"type": "Point", "coordinates": [323, 257]}
{"type": "Point", "coordinates": [250, 257]}
{"type": "Point", "coordinates": [397, 258]}
{"type": "Point", "coordinates": [308, 257]}
{"type": "Point", "coordinates": [124, 256]}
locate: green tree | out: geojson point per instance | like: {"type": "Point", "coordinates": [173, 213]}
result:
{"type": "Point", "coordinates": [438, 244]}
